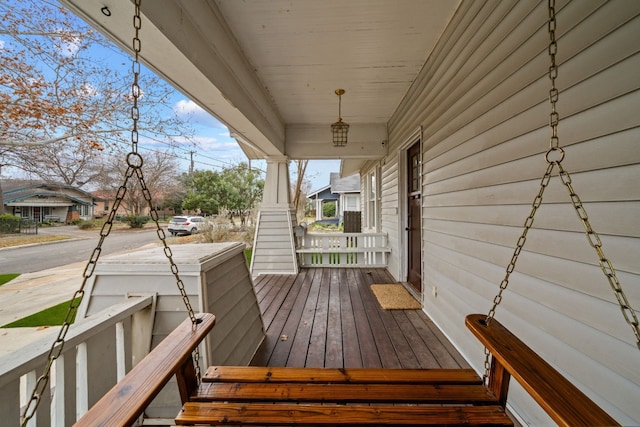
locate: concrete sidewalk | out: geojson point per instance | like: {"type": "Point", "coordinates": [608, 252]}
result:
{"type": "Point", "coordinates": [30, 293]}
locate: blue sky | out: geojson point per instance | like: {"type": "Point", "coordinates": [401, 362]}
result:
{"type": "Point", "coordinates": [215, 143]}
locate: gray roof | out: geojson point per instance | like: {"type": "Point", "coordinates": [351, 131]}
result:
{"type": "Point", "coordinates": [14, 190]}
{"type": "Point", "coordinates": [348, 184]}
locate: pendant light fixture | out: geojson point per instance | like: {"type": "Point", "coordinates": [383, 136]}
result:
{"type": "Point", "coordinates": [339, 129]}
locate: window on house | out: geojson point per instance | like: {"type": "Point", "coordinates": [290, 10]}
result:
{"type": "Point", "coordinates": [351, 203]}
{"type": "Point", "coordinates": [372, 200]}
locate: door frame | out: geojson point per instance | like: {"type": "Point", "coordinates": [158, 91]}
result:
{"type": "Point", "coordinates": [403, 208]}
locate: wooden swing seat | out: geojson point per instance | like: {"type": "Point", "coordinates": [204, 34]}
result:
{"type": "Point", "coordinates": [359, 396]}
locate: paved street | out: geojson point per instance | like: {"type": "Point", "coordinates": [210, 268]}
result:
{"type": "Point", "coordinates": [33, 258]}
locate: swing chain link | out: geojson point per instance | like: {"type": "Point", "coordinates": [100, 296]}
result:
{"type": "Point", "coordinates": [134, 163]}
{"type": "Point", "coordinates": [593, 238]}
{"type": "Point", "coordinates": [554, 157]}
{"type": "Point", "coordinates": [136, 167]}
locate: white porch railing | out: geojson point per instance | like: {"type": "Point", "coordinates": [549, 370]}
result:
{"type": "Point", "coordinates": [97, 352]}
{"type": "Point", "coordinates": [343, 250]}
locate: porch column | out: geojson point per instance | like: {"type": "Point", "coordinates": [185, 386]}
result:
{"type": "Point", "coordinates": [318, 209]}
{"type": "Point", "coordinates": [274, 250]}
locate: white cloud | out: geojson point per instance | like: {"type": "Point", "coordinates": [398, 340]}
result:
{"type": "Point", "coordinates": [188, 109]}
{"type": "Point", "coordinates": [70, 47]}
{"type": "Point", "coordinates": [186, 106]}
{"type": "Point", "coordinates": [87, 90]}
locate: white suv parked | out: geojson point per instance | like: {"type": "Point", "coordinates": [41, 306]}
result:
{"type": "Point", "coordinates": [186, 225]}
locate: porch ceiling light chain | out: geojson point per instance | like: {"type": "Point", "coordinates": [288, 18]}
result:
{"type": "Point", "coordinates": [554, 157]}
{"type": "Point", "coordinates": [134, 166]}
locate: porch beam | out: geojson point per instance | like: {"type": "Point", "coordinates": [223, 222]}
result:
{"type": "Point", "coordinates": [308, 142]}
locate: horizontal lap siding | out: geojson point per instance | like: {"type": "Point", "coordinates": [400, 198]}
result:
{"type": "Point", "coordinates": [390, 212]}
{"type": "Point", "coordinates": [482, 103]}
{"type": "Point", "coordinates": [239, 330]}
{"type": "Point", "coordinates": [273, 252]}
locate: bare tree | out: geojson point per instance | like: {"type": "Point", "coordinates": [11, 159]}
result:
{"type": "Point", "coordinates": [161, 177]}
{"type": "Point", "coordinates": [301, 168]}
{"type": "Point", "coordinates": [60, 106]}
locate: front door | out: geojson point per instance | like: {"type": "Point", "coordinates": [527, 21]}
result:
{"type": "Point", "coordinates": [414, 266]}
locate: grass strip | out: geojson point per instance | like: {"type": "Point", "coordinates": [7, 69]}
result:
{"type": "Point", "coordinates": [4, 278]}
{"type": "Point", "coordinates": [248, 253]}
{"type": "Point", "coordinates": [52, 316]}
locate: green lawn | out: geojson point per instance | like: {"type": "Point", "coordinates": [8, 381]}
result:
{"type": "Point", "coordinates": [248, 253]}
{"type": "Point", "coordinates": [4, 278]}
{"type": "Point", "coordinates": [52, 316]}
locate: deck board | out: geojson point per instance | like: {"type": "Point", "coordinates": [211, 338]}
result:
{"type": "Point", "coordinates": [326, 317]}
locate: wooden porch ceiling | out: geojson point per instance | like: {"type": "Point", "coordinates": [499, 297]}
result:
{"type": "Point", "coordinates": [330, 318]}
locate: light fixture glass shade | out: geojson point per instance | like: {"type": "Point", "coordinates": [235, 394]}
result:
{"type": "Point", "coordinates": [339, 130]}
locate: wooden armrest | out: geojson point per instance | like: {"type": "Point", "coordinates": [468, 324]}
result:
{"type": "Point", "coordinates": [563, 401]}
{"type": "Point", "coordinates": [127, 400]}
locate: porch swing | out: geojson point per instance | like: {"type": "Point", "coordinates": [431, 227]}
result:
{"type": "Point", "coordinates": [358, 396]}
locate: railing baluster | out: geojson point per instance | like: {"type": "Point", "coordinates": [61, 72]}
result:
{"type": "Point", "coordinates": [58, 410]}
{"type": "Point", "coordinates": [121, 368]}
{"type": "Point", "coordinates": [31, 378]}
{"type": "Point", "coordinates": [344, 249]}
{"type": "Point", "coordinates": [82, 380]}
{"type": "Point", "coordinates": [42, 416]}
{"type": "Point", "coordinates": [66, 394]}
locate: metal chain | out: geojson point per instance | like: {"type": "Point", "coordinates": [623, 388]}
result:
{"type": "Point", "coordinates": [134, 163]}
{"type": "Point", "coordinates": [628, 312]}
{"type": "Point", "coordinates": [554, 157]}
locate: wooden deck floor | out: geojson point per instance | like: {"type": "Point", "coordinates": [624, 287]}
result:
{"type": "Point", "coordinates": [330, 318]}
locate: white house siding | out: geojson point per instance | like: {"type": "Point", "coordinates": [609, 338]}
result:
{"type": "Point", "coordinates": [481, 101]}
{"type": "Point", "coordinates": [273, 252]}
{"type": "Point", "coordinates": [390, 212]}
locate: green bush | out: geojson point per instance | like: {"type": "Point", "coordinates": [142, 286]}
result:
{"type": "Point", "coordinates": [136, 221]}
{"type": "Point", "coordinates": [77, 221]}
{"type": "Point", "coordinates": [9, 223]}
{"type": "Point", "coordinates": [329, 209]}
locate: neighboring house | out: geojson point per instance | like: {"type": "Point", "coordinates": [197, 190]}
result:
{"type": "Point", "coordinates": [47, 201]}
{"type": "Point", "coordinates": [106, 200]}
{"type": "Point", "coordinates": [348, 188]}
{"type": "Point", "coordinates": [345, 192]}
{"type": "Point", "coordinates": [448, 103]}
{"type": "Point", "coordinates": [318, 199]}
